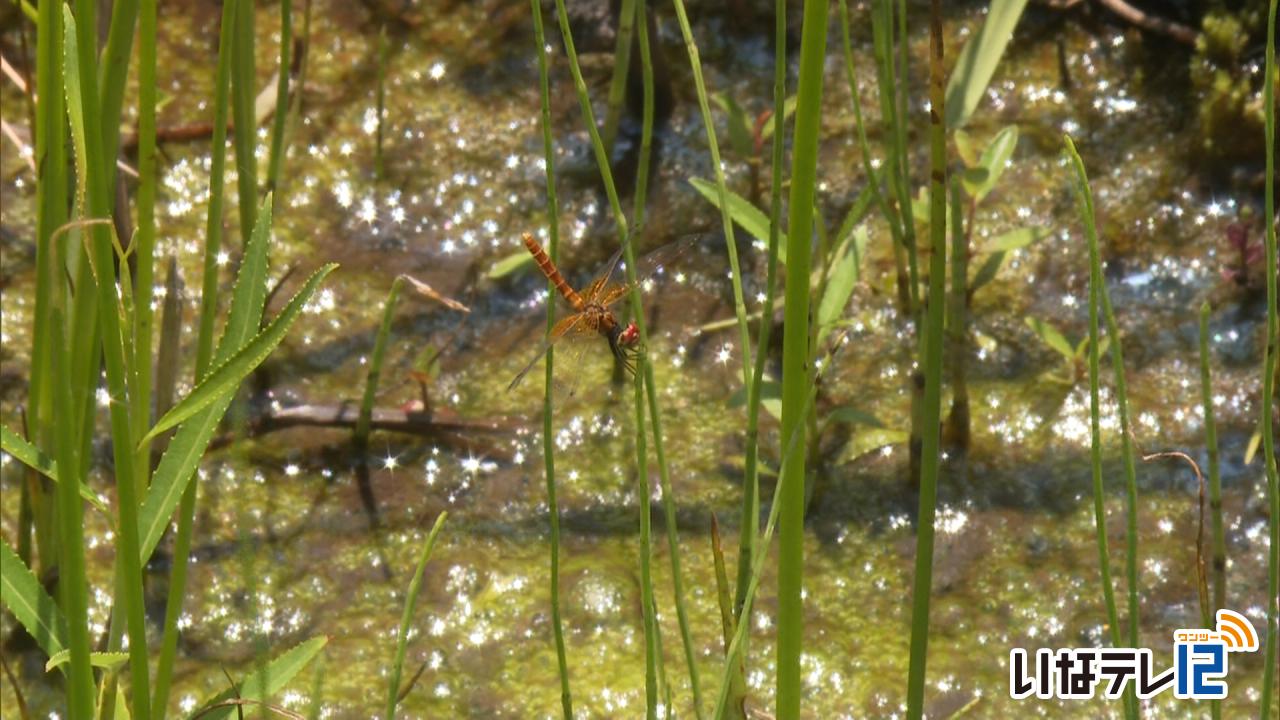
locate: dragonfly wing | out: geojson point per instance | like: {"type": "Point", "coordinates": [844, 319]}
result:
{"type": "Point", "coordinates": [571, 325]}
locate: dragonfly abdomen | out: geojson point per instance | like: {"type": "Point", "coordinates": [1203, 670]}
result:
{"type": "Point", "coordinates": [549, 269]}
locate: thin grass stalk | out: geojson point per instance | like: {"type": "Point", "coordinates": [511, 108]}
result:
{"type": "Point", "coordinates": [113, 69]}
{"type": "Point", "coordinates": [726, 220]}
{"type": "Point", "coordinates": [144, 243]}
{"type": "Point", "coordinates": [280, 119]}
{"type": "Point", "coordinates": [51, 213]}
{"type": "Point", "coordinates": [72, 584]}
{"type": "Point", "coordinates": [749, 530]}
{"type": "Point", "coordinates": [649, 613]}
{"type": "Point", "coordinates": [931, 410]}
{"type": "Point", "coordinates": [958, 324]}
{"type": "Point", "coordinates": [1270, 368]}
{"type": "Point", "coordinates": [1098, 298]}
{"type": "Point", "coordinates": [1215, 475]}
{"type": "Point", "coordinates": [873, 178]}
{"type": "Point", "coordinates": [655, 668]}
{"type": "Point", "coordinates": [548, 437]}
{"type": "Point", "coordinates": [624, 40]}
{"type": "Point", "coordinates": [795, 355]}
{"type": "Point", "coordinates": [882, 44]}
{"type": "Point", "coordinates": [637, 314]}
{"type": "Point", "coordinates": [242, 109]}
{"type": "Point", "coordinates": [664, 478]}
{"type": "Point", "coordinates": [789, 449]}
{"type": "Point", "coordinates": [217, 176]}
{"type": "Point", "coordinates": [374, 375]}
{"type": "Point", "coordinates": [1215, 485]}
{"type": "Point", "coordinates": [123, 441]}
{"type": "Point", "coordinates": [204, 353]}
{"type": "Point", "coordinates": [410, 600]}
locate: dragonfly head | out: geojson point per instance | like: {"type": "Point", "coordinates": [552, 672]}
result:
{"type": "Point", "coordinates": [629, 336]}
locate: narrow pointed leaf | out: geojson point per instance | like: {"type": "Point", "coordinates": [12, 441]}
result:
{"type": "Point", "coordinates": [188, 444]}
{"type": "Point", "coordinates": [748, 216]}
{"type": "Point", "coordinates": [1051, 337]}
{"type": "Point", "coordinates": [275, 676]}
{"type": "Point", "coordinates": [229, 374]}
{"type": "Point", "coordinates": [22, 593]}
{"type": "Point", "coordinates": [32, 457]}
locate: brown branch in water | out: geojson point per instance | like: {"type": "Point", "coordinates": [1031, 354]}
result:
{"type": "Point", "coordinates": [1163, 26]}
{"type": "Point", "coordinates": [1201, 577]}
{"type": "Point", "coordinates": [441, 425]}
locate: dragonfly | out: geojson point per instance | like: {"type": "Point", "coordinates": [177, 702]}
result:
{"type": "Point", "coordinates": [591, 311]}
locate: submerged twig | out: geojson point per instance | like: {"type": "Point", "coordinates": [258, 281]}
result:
{"type": "Point", "coordinates": [1201, 576]}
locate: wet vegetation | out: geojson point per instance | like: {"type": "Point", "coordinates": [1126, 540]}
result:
{"type": "Point", "coordinates": [936, 332]}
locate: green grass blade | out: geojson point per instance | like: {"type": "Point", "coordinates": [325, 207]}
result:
{"type": "Point", "coordinates": [375, 366]}
{"type": "Point", "coordinates": [145, 237]}
{"type": "Point", "coordinates": [72, 584]}
{"type": "Point", "coordinates": [726, 220]}
{"type": "Point", "coordinates": [795, 356]}
{"type": "Point", "coordinates": [278, 122]}
{"type": "Point", "coordinates": [51, 214]}
{"type": "Point", "coordinates": [30, 604]}
{"type": "Point", "coordinates": [243, 93]}
{"type": "Point", "coordinates": [82, 98]}
{"type": "Point", "coordinates": [217, 177]}
{"type": "Point", "coordinates": [995, 158]}
{"type": "Point", "coordinates": [978, 60]}
{"type": "Point", "coordinates": [616, 101]}
{"type": "Point", "coordinates": [226, 377]}
{"type": "Point", "coordinates": [1098, 298]}
{"type": "Point", "coordinates": [113, 72]}
{"type": "Point", "coordinates": [261, 685]}
{"type": "Point", "coordinates": [410, 601]}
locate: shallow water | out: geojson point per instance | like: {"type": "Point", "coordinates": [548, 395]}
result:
{"type": "Point", "coordinates": [290, 546]}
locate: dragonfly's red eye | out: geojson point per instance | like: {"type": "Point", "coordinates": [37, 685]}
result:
{"type": "Point", "coordinates": [630, 334]}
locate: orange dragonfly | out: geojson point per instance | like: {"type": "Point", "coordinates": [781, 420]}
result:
{"type": "Point", "coordinates": [591, 311]}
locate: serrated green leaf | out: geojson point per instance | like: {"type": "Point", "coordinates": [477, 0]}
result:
{"type": "Point", "coordinates": [227, 376]}
{"type": "Point", "coordinates": [29, 603]}
{"type": "Point", "coordinates": [183, 453]}
{"type": "Point", "coordinates": [746, 215]}
{"type": "Point", "coordinates": [31, 456]}
{"type": "Point", "coordinates": [1051, 337]}
{"type": "Point", "coordinates": [509, 264]}
{"type": "Point", "coordinates": [260, 685]}
{"type": "Point", "coordinates": [104, 660]}
{"type": "Point", "coordinates": [978, 60]}
{"type": "Point", "coordinates": [1016, 239]}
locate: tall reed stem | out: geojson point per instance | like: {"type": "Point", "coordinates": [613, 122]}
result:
{"type": "Point", "coordinates": [1098, 296]}
{"type": "Point", "coordinates": [796, 356]}
{"type": "Point", "coordinates": [1270, 366]}
{"type": "Point", "coordinates": [548, 437]}
{"type": "Point", "coordinates": [931, 410]}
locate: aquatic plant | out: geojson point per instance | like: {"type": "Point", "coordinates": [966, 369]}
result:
{"type": "Point", "coordinates": [102, 315]}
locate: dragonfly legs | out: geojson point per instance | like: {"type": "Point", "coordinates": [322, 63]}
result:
{"type": "Point", "coordinates": [625, 353]}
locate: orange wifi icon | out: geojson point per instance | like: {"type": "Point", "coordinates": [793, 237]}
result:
{"type": "Point", "coordinates": [1237, 632]}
